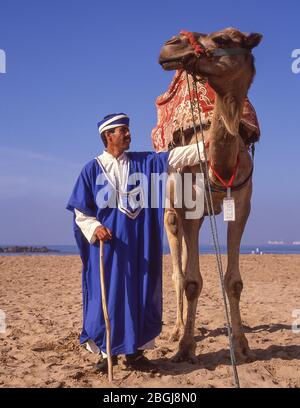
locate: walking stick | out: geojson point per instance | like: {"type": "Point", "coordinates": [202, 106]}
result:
{"type": "Point", "coordinates": [105, 312]}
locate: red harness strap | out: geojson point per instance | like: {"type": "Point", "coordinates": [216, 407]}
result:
{"type": "Point", "coordinates": [230, 182]}
{"type": "Point", "coordinates": [192, 40]}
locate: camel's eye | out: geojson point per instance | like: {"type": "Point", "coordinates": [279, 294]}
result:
{"type": "Point", "coordinates": [222, 40]}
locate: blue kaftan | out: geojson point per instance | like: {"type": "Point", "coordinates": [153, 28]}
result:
{"type": "Point", "coordinates": [132, 259]}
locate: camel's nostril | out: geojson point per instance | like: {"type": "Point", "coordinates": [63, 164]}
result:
{"type": "Point", "coordinates": [173, 40]}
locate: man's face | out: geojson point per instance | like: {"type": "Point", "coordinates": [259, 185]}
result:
{"type": "Point", "coordinates": [120, 139]}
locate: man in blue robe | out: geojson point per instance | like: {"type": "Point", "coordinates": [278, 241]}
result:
{"type": "Point", "coordinates": [112, 201]}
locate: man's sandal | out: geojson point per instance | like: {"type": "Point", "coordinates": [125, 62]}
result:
{"type": "Point", "coordinates": [138, 361]}
{"type": "Point", "coordinates": [102, 365]}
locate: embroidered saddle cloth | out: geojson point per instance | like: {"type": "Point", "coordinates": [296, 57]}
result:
{"type": "Point", "coordinates": [174, 112]}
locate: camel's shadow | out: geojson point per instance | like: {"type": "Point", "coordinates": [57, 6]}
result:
{"type": "Point", "coordinates": [223, 330]}
{"type": "Point", "coordinates": [211, 360]}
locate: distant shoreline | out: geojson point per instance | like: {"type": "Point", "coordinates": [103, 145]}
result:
{"type": "Point", "coordinates": [60, 250]}
{"type": "Point", "coordinates": [16, 249]}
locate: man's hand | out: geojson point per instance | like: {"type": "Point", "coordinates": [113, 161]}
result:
{"type": "Point", "coordinates": [102, 233]}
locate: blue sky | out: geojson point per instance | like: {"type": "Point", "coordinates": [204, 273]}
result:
{"type": "Point", "coordinates": [71, 62]}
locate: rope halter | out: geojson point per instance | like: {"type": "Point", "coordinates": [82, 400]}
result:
{"type": "Point", "coordinates": [199, 48]}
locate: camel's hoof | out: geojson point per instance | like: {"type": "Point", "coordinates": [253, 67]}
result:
{"type": "Point", "coordinates": [242, 351]}
{"type": "Point", "coordinates": [244, 357]}
{"type": "Point", "coordinates": [186, 352]}
{"type": "Point", "coordinates": [181, 357]}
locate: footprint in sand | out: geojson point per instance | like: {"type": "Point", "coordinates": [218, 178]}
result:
{"type": "Point", "coordinates": [40, 347]}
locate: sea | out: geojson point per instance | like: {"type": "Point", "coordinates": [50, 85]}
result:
{"type": "Point", "coordinates": [204, 249]}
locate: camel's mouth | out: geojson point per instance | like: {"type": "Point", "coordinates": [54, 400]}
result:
{"type": "Point", "coordinates": [170, 64]}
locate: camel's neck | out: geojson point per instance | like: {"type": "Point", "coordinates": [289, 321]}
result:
{"type": "Point", "coordinates": [224, 138]}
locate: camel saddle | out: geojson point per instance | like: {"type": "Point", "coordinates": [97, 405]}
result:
{"type": "Point", "coordinates": [174, 112]}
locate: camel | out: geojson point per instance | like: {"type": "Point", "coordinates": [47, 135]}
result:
{"type": "Point", "coordinates": [225, 60]}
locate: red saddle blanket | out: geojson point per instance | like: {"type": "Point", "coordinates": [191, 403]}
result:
{"type": "Point", "coordinates": [174, 112]}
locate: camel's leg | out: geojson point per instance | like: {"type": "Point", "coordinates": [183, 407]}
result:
{"type": "Point", "coordinates": [192, 287]}
{"type": "Point", "coordinates": [173, 225]}
{"type": "Point", "coordinates": [184, 258]}
{"type": "Point", "coordinates": [233, 280]}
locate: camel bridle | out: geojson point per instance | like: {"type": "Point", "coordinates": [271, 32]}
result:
{"type": "Point", "coordinates": [200, 50]}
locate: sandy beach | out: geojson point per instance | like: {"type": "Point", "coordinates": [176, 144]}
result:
{"type": "Point", "coordinates": [41, 297]}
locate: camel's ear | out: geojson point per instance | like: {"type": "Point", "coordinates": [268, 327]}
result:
{"type": "Point", "coordinates": [252, 40]}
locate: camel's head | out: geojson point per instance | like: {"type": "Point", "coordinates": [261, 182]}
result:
{"type": "Point", "coordinates": [222, 54]}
